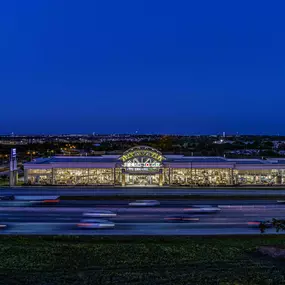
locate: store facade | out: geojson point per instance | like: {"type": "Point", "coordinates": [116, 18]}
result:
{"type": "Point", "coordinates": [146, 166]}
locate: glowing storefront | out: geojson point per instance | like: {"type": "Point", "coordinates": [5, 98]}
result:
{"type": "Point", "coordinates": [143, 165]}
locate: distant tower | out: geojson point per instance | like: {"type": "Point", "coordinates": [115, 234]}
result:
{"type": "Point", "coordinates": [13, 168]}
{"type": "Point", "coordinates": [224, 134]}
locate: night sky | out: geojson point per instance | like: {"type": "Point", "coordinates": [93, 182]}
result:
{"type": "Point", "coordinates": [185, 67]}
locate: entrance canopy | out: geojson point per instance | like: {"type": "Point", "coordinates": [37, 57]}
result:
{"type": "Point", "coordinates": [142, 159]}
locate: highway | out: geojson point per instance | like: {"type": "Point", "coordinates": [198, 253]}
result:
{"type": "Point", "coordinates": [63, 217]}
{"type": "Point", "coordinates": [140, 191]}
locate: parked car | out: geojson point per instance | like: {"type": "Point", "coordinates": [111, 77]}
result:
{"type": "Point", "coordinates": [144, 203]}
{"type": "Point", "coordinates": [203, 209]}
{"type": "Point", "coordinates": [100, 214]}
{"type": "Point", "coordinates": [95, 224]}
{"type": "Point", "coordinates": [7, 198]}
{"type": "Point", "coordinates": [256, 224]}
{"type": "Point", "coordinates": [3, 226]}
{"type": "Point", "coordinates": [181, 218]}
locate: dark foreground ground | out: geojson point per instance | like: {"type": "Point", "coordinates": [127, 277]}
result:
{"type": "Point", "coordinates": [87, 260]}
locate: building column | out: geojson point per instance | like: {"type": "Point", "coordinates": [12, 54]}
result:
{"type": "Point", "coordinates": [11, 179]}
{"type": "Point", "coordinates": [26, 176]}
{"type": "Point", "coordinates": [160, 177]}
{"type": "Point", "coordinates": [123, 177]}
{"type": "Point", "coordinates": [114, 175]}
{"type": "Point", "coordinates": [16, 177]}
{"type": "Point", "coordinates": [279, 179]}
{"type": "Point", "coordinates": [191, 175]}
{"type": "Point", "coordinates": [231, 176]}
{"type": "Point", "coordinates": [53, 176]}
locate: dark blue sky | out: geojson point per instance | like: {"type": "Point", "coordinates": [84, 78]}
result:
{"type": "Point", "coordinates": [191, 67]}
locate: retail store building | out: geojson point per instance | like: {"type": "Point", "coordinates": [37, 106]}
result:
{"type": "Point", "coordinates": [143, 165]}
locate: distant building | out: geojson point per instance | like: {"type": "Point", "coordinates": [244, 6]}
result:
{"type": "Point", "coordinates": [248, 152]}
{"type": "Point", "coordinates": [222, 141]}
{"type": "Point", "coordinates": [277, 144]}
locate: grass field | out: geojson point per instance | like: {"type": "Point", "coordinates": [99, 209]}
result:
{"type": "Point", "coordinates": [87, 260]}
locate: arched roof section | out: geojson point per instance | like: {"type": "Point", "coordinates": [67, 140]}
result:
{"type": "Point", "coordinates": [142, 151]}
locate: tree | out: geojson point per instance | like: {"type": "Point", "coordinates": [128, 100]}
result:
{"type": "Point", "coordinates": [279, 225]}
{"type": "Point", "coordinates": [165, 143]}
{"type": "Point", "coordinates": [267, 144]}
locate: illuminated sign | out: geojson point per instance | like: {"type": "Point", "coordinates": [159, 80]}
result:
{"type": "Point", "coordinates": [142, 158]}
{"type": "Point", "coordinates": [142, 153]}
{"type": "Point", "coordinates": [13, 153]}
{"type": "Point", "coordinates": [13, 160]}
{"type": "Point", "coordinates": [143, 164]}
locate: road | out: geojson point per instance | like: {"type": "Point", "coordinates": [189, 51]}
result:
{"type": "Point", "coordinates": [63, 217]}
{"type": "Point", "coordinates": [127, 191]}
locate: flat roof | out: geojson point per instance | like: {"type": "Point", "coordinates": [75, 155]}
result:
{"type": "Point", "coordinates": [169, 159]}
{"type": "Point", "coordinates": [196, 159]}
{"type": "Point", "coordinates": [73, 159]}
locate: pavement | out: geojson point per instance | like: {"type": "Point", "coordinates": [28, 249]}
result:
{"type": "Point", "coordinates": [25, 217]}
{"type": "Point", "coordinates": [140, 191]}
